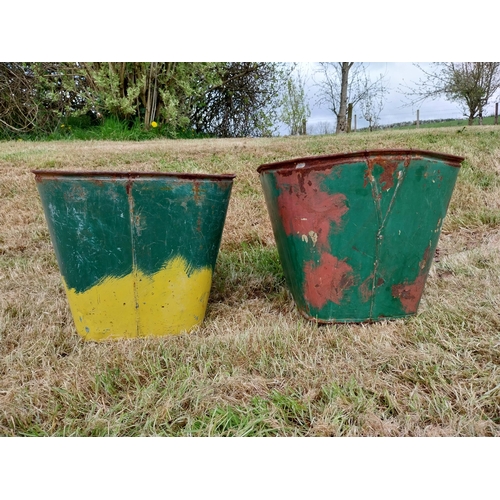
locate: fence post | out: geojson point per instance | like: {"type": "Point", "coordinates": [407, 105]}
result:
{"type": "Point", "coordinates": [355, 124]}
{"type": "Point", "coordinates": [349, 117]}
{"type": "Point", "coordinates": [496, 113]}
{"type": "Point", "coordinates": [418, 118]}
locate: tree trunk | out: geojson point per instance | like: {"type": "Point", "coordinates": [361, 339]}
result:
{"type": "Point", "coordinates": [152, 96]}
{"type": "Point", "coordinates": [342, 116]}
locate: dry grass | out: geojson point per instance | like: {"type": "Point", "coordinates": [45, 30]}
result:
{"type": "Point", "coordinates": [255, 367]}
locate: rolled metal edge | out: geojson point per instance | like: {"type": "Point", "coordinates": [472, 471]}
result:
{"type": "Point", "coordinates": [334, 159]}
{"type": "Point", "coordinates": [47, 174]}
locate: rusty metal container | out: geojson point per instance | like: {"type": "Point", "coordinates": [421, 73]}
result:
{"type": "Point", "coordinates": [136, 250]}
{"type": "Point", "coordinates": [356, 233]}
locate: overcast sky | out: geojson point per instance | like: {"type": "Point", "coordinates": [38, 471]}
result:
{"type": "Point", "coordinates": [394, 110]}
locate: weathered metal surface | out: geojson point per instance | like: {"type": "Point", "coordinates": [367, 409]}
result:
{"type": "Point", "coordinates": [356, 232]}
{"type": "Point", "coordinates": [136, 250]}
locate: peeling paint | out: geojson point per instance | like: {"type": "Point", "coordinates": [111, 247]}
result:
{"type": "Point", "coordinates": [326, 281]}
{"type": "Point", "coordinates": [366, 289]}
{"type": "Point", "coordinates": [410, 293]}
{"type": "Point", "coordinates": [389, 166]}
{"type": "Point", "coordinates": [306, 209]}
{"type": "Point", "coordinates": [314, 237]}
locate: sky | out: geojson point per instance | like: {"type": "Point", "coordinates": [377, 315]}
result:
{"type": "Point", "coordinates": [396, 74]}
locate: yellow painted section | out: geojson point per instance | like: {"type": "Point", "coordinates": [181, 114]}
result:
{"type": "Point", "coordinates": [171, 301]}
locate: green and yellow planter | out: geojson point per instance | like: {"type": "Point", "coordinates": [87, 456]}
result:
{"type": "Point", "coordinates": [356, 233]}
{"type": "Point", "coordinates": [136, 250]}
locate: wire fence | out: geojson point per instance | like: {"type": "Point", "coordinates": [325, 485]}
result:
{"type": "Point", "coordinates": [397, 118]}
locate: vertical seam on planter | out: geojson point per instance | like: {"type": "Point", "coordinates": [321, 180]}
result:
{"type": "Point", "coordinates": [378, 242]}
{"type": "Point", "coordinates": [134, 255]}
{"type": "Point", "coordinates": [376, 199]}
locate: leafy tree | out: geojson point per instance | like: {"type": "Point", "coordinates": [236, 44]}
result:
{"type": "Point", "coordinates": [223, 99]}
{"type": "Point", "coordinates": [471, 84]}
{"type": "Point", "coordinates": [34, 97]}
{"type": "Point", "coordinates": [343, 85]}
{"type": "Point", "coordinates": [160, 92]}
{"type": "Point", "coordinates": [243, 100]}
{"type": "Point", "coordinates": [295, 109]}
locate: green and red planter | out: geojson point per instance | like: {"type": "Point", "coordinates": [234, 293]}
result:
{"type": "Point", "coordinates": [356, 233]}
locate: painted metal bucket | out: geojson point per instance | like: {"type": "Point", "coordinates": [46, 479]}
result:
{"type": "Point", "coordinates": [356, 233]}
{"type": "Point", "coordinates": [136, 250]}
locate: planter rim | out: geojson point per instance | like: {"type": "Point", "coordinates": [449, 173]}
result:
{"type": "Point", "coordinates": [130, 175]}
{"type": "Point", "coordinates": [452, 160]}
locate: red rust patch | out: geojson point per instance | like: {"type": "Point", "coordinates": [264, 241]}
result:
{"type": "Point", "coordinates": [196, 191]}
{"type": "Point", "coordinates": [366, 288]}
{"type": "Point", "coordinates": [304, 207]}
{"type": "Point", "coordinates": [389, 166]}
{"type": "Point", "coordinates": [410, 293]}
{"type": "Point", "coordinates": [326, 281]}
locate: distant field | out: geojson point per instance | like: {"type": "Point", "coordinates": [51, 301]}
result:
{"type": "Point", "coordinates": [255, 367]}
{"type": "Point", "coordinates": [449, 122]}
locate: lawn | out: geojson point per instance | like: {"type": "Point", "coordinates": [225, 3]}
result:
{"type": "Point", "coordinates": [255, 367]}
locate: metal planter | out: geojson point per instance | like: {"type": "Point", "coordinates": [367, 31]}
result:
{"type": "Point", "coordinates": [136, 250]}
{"type": "Point", "coordinates": [356, 233]}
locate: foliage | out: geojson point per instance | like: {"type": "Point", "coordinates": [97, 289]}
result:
{"type": "Point", "coordinates": [295, 110]}
{"type": "Point", "coordinates": [160, 92]}
{"type": "Point", "coordinates": [243, 101]}
{"type": "Point", "coordinates": [186, 98]}
{"type": "Point", "coordinates": [34, 97]}
{"type": "Point", "coordinates": [471, 84]}
{"type": "Point", "coordinates": [346, 83]}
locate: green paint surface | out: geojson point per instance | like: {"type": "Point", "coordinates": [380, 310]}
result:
{"type": "Point", "coordinates": [106, 225]}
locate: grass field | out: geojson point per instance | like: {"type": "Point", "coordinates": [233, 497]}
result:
{"type": "Point", "coordinates": [448, 122]}
{"type": "Point", "coordinates": [255, 367]}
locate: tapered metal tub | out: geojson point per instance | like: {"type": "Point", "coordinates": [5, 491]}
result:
{"type": "Point", "coordinates": [136, 250]}
{"type": "Point", "coordinates": [356, 233]}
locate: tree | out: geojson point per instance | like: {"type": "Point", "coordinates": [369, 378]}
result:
{"type": "Point", "coordinates": [243, 101]}
{"type": "Point", "coordinates": [34, 97]}
{"type": "Point", "coordinates": [159, 92]}
{"type": "Point", "coordinates": [343, 85]}
{"type": "Point", "coordinates": [322, 128]}
{"type": "Point", "coordinates": [372, 105]}
{"type": "Point", "coordinates": [471, 84]}
{"type": "Point", "coordinates": [218, 98]}
{"type": "Point", "coordinates": [295, 109]}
